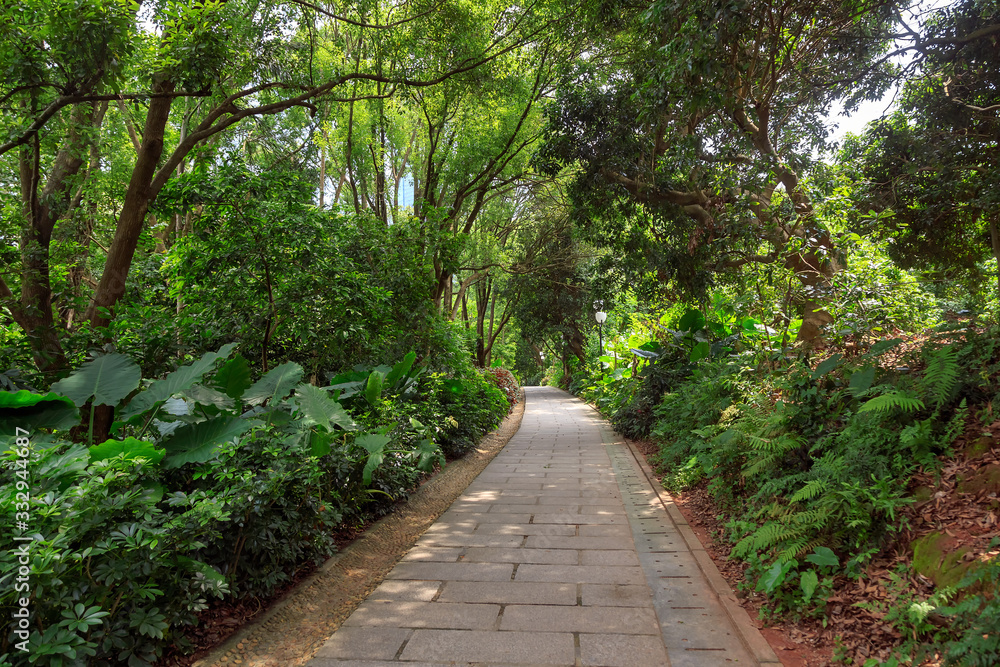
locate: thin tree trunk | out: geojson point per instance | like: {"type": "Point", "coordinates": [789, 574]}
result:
{"type": "Point", "coordinates": [995, 240]}
{"type": "Point", "coordinates": [322, 178]}
{"type": "Point", "coordinates": [41, 212]}
{"type": "Point", "coordinates": [133, 214]}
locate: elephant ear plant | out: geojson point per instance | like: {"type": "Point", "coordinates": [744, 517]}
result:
{"type": "Point", "coordinates": [211, 485]}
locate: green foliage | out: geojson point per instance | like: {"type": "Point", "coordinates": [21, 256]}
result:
{"type": "Point", "coordinates": [36, 410]}
{"type": "Point", "coordinates": [178, 381]}
{"type": "Point", "coordinates": [104, 380]}
{"type": "Point", "coordinates": [129, 449]}
{"type": "Point", "coordinates": [940, 378]}
{"type": "Point", "coordinates": [892, 402]}
{"type": "Point", "coordinates": [505, 382]}
{"type": "Point", "coordinates": [975, 617]}
{"type": "Point", "coordinates": [205, 494]}
{"type": "Point", "coordinates": [798, 591]}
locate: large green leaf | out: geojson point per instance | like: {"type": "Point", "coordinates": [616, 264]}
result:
{"type": "Point", "coordinates": [826, 366]}
{"type": "Point", "coordinates": [131, 447]}
{"type": "Point", "coordinates": [774, 576]}
{"type": "Point", "coordinates": [275, 385]}
{"type": "Point", "coordinates": [319, 409]}
{"type": "Point", "coordinates": [374, 444]}
{"type": "Point", "coordinates": [107, 380]}
{"type": "Point", "coordinates": [234, 377]}
{"type": "Point", "coordinates": [823, 556]}
{"type": "Point", "coordinates": [400, 370]}
{"type": "Point", "coordinates": [373, 390]}
{"type": "Point", "coordinates": [207, 396]}
{"type": "Point", "coordinates": [196, 443]}
{"type": "Point", "coordinates": [808, 582]}
{"type": "Point", "coordinates": [701, 351]}
{"type": "Point", "coordinates": [177, 381]}
{"type": "Point", "coordinates": [31, 411]}
{"type": "Point", "coordinates": [319, 443]}
{"type": "Point", "coordinates": [692, 320]}
{"type": "Point", "coordinates": [429, 455]}
{"type": "Point", "coordinates": [861, 381]}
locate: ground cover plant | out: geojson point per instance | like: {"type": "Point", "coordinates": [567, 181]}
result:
{"type": "Point", "coordinates": [212, 486]}
{"type": "Point", "coordinates": [816, 469]}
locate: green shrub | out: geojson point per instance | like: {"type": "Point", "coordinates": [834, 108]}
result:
{"type": "Point", "coordinates": [115, 571]}
{"type": "Point", "coordinates": [476, 406]}
{"type": "Point", "coordinates": [213, 485]}
{"type": "Point", "coordinates": [505, 382]}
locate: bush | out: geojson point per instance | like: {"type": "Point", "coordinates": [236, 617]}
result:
{"type": "Point", "coordinates": [476, 406]}
{"type": "Point", "coordinates": [505, 381]}
{"type": "Point", "coordinates": [115, 571]}
{"type": "Point", "coordinates": [213, 485]}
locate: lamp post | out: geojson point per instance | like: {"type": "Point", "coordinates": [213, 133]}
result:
{"type": "Point", "coordinates": [600, 316]}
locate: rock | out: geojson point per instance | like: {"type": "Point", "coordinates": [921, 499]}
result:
{"type": "Point", "coordinates": [979, 447]}
{"type": "Point", "coordinates": [986, 478]}
{"type": "Point", "coordinates": [922, 494]}
{"type": "Point", "coordinates": [932, 559]}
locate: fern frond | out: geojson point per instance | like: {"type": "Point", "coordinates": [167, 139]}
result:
{"type": "Point", "coordinates": [793, 549]}
{"type": "Point", "coordinates": [759, 464]}
{"type": "Point", "coordinates": [812, 489]}
{"type": "Point", "coordinates": [888, 403]}
{"type": "Point", "coordinates": [941, 376]}
{"type": "Point", "coordinates": [758, 443]}
{"type": "Point", "coordinates": [956, 424]}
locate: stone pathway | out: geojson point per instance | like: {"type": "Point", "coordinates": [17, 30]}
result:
{"type": "Point", "coordinates": [559, 553]}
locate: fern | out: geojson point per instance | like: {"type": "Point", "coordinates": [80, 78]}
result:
{"type": "Point", "coordinates": [791, 533]}
{"type": "Point", "coordinates": [812, 489]}
{"type": "Point", "coordinates": [768, 452]}
{"type": "Point", "coordinates": [895, 400]}
{"type": "Point", "coordinates": [941, 376]}
{"type": "Point", "coordinates": [956, 424]}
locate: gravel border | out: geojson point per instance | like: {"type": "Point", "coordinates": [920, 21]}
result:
{"type": "Point", "coordinates": [297, 626]}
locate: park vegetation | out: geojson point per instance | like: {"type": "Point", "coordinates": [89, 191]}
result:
{"type": "Point", "coordinates": [266, 264]}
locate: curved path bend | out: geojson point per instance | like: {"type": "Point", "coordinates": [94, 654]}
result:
{"type": "Point", "coordinates": [561, 552]}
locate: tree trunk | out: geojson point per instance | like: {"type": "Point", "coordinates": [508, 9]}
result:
{"type": "Point", "coordinates": [995, 241]}
{"type": "Point", "coordinates": [41, 211]}
{"type": "Point", "coordinates": [133, 215]}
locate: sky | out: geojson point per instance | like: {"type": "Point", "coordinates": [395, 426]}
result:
{"type": "Point", "coordinates": [869, 111]}
{"type": "Point", "coordinates": [856, 122]}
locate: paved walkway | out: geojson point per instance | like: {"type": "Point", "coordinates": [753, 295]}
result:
{"type": "Point", "coordinates": [559, 553]}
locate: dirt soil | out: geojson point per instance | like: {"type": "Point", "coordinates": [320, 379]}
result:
{"type": "Point", "coordinates": [288, 628]}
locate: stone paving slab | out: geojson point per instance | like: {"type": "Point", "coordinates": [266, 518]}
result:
{"type": "Point", "coordinates": [542, 556]}
{"type": "Point", "coordinates": [456, 646]}
{"type": "Point", "coordinates": [540, 618]}
{"type": "Point", "coordinates": [509, 592]}
{"type": "Point", "coordinates": [560, 553]}
{"type": "Point", "coordinates": [581, 574]}
{"type": "Point", "coordinates": [396, 614]}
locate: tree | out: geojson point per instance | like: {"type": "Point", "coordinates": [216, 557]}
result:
{"type": "Point", "coordinates": [235, 61]}
{"type": "Point", "coordinates": [930, 168]}
{"type": "Point", "coordinates": [707, 120]}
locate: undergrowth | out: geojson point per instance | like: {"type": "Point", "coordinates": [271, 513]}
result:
{"type": "Point", "coordinates": [812, 462]}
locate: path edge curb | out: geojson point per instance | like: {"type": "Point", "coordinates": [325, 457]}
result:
{"type": "Point", "coordinates": [749, 634]}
